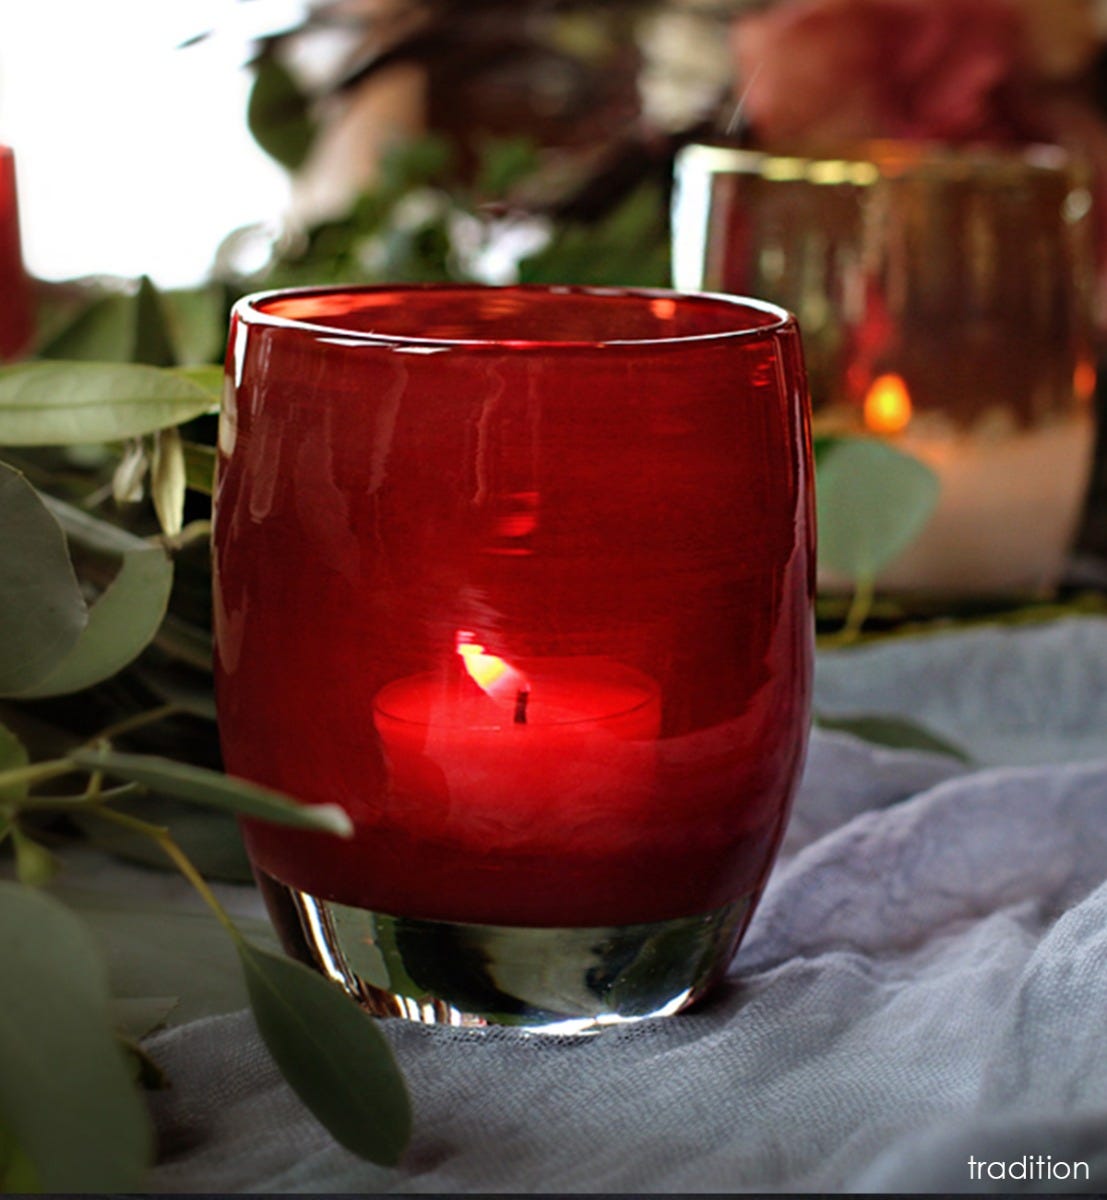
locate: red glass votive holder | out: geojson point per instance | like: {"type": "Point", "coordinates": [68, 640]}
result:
{"type": "Point", "coordinates": [17, 317]}
{"type": "Point", "coordinates": [521, 578]}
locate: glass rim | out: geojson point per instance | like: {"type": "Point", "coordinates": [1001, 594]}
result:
{"type": "Point", "coordinates": [249, 310]}
{"type": "Point", "coordinates": [867, 161]}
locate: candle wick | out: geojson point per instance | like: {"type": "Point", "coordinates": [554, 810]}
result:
{"type": "Point", "coordinates": [521, 698]}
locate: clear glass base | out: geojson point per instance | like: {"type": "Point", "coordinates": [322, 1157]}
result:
{"type": "Point", "coordinates": [557, 981]}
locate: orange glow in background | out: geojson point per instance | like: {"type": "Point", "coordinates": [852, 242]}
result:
{"type": "Point", "coordinates": [887, 405]}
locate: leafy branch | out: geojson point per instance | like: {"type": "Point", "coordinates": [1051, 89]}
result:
{"type": "Point", "coordinates": [82, 600]}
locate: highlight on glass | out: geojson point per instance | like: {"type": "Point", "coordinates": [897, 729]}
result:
{"type": "Point", "coordinates": [522, 578]}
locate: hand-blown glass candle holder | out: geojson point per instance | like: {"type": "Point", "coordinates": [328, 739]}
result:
{"type": "Point", "coordinates": [945, 301]}
{"type": "Point", "coordinates": [522, 579]}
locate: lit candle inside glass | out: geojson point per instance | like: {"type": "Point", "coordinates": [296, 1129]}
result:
{"type": "Point", "coordinates": [518, 751]}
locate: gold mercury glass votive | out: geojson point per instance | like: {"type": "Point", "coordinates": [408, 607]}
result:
{"type": "Point", "coordinates": [944, 298]}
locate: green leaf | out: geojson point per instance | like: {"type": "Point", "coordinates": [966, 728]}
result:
{"type": "Point", "coordinates": [628, 247]}
{"type": "Point", "coordinates": [12, 756]}
{"type": "Point", "coordinates": [504, 162]}
{"type": "Point", "coordinates": [277, 114]}
{"type": "Point", "coordinates": [152, 343]}
{"type": "Point", "coordinates": [332, 1054]}
{"type": "Point", "coordinates": [101, 332]}
{"type": "Point", "coordinates": [121, 625]}
{"type": "Point", "coordinates": [199, 463]}
{"type": "Point", "coordinates": [208, 377]}
{"type": "Point", "coordinates": [55, 404]}
{"type": "Point", "coordinates": [42, 612]}
{"type": "Point", "coordinates": [144, 1071]}
{"type": "Point", "coordinates": [822, 444]}
{"type": "Point", "coordinates": [91, 533]}
{"type": "Point", "coordinates": [873, 501]}
{"type": "Point", "coordinates": [198, 321]}
{"type": "Point", "coordinates": [65, 1095]}
{"type": "Point", "coordinates": [137, 1016]}
{"type": "Point", "coordinates": [34, 864]}
{"type": "Point", "coordinates": [17, 1172]}
{"type": "Point", "coordinates": [163, 946]}
{"type": "Point", "coordinates": [118, 328]}
{"type": "Point", "coordinates": [210, 838]}
{"type": "Point", "coordinates": [897, 733]}
{"type": "Point", "coordinates": [216, 791]}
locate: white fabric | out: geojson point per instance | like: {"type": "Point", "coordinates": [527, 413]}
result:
{"type": "Point", "coordinates": [925, 980]}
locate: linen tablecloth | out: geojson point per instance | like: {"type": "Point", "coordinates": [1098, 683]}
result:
{"type": "Point", "coordinates": [924, 983]}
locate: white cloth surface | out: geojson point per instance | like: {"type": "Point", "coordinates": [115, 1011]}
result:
{"type": "Point", "coordinates": [925, 980]}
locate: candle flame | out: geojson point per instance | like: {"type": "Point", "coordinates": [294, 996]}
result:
{"type": "Point", "coordinates": [887, 405]}
{"type": "Point", "coordinates": [489, 672]}
{"type": "Point", "coordinates": [1084, 380]}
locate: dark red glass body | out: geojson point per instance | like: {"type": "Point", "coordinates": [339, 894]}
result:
{"type": "Point", "coordinates": [16, 302]}
{"type": "Point", "coordinates": [602, 500]}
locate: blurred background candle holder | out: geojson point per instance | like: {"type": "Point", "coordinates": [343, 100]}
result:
{"type": "Point", "coordinates": [945, 300]}
{"type": "Point", "coordinates": [17, 323]}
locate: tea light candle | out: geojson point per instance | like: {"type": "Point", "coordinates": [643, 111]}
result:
{"type": "Point", "coordinates": [525, 751]}
{"type": "Point", "coordinates": [1007, 508]}
{"type": "Point", "coordinates": [1009, 499]}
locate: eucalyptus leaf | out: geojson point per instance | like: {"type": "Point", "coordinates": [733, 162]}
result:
{"type": "Point", "coordinates": [17, 1172]}
{"type": "Point", "coordinates": [137, 1016]}
{"type": "Point", "coordinates": [42, 612]}
{"type": "Point", "coordinates": [214, 790]}
{"type": "Point", "coordinates": [144, 1071]}
{"type": "Point", "coordinates": [152, 341]}
{"type": "Point", "coordinates": [120, 327]}
{"type": "Point", "coordinates": [55, 403]}
{"type": "Point", "coordinates": [504, 163]}
{"type": "Point", "coordinates": [167, 481]}
{"type": "Point", "coordinates": [91, 533]}
{"type": "Point", "coordinates": [199, 467]}
{"type": "Point", "coordinates": [101, 332]}
{"type": "Point", "coordinates": [277, 114]}
{"type": "Point", "coordinates": [65, 1094]}
{"type": "Point", "coordinates": [822, 444]}
{"type": "Point", "coordinates": [873, 501]}
{"type": "Point", "coordinates": [34, 864]}
{"type": "Point", "coordinates": [121, 625]}
{"type": "Point", "coordinates": [208, 377]}
{"type": "Point", "coordinates": [198, 320]}
{"type": "Point", "coordinates": [331, 1053]}
{"type": "Point", "coordinates": [210, 838]}
{"type": "Point", "coordinates": [12, 756]}
{"type": "Point", "coordinates": [897, 733]}
{"type": "Point", "coordinates": [164, 946]}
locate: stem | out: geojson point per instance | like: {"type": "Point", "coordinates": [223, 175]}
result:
{"type": "Point", "coordinates": [180, 860]}
{"type": "Point", "coordinates": [194, 531]}
{"type": "Point", "coordinates": [859, 609]}
{"type": "Point", "coordinates": [185, 643]}
{"type": "Point", "coordinates": [37, 773]}
{"type": "Point", "coordinates": [138, 721]}
{"type": "Point", "coordinates": [96, 498]}
{"type": "Point", "coordinates": [88, 800]}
